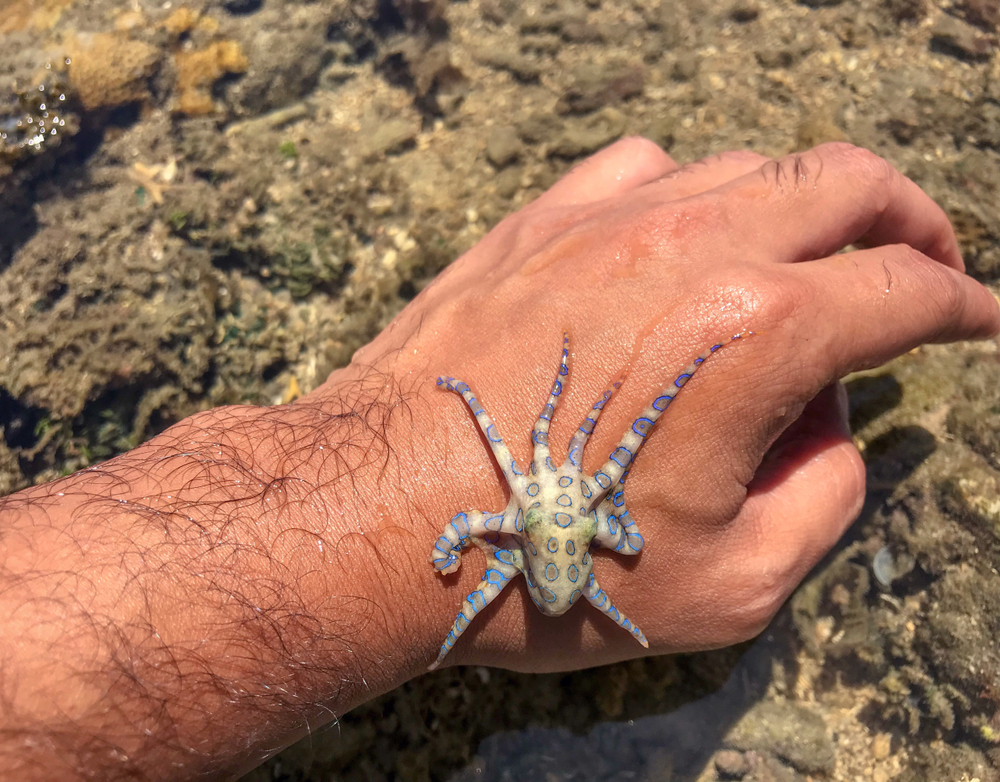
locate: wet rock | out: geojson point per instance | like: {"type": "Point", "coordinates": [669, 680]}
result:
{"type": "Point", "coordinates": [582, 32]}
{"type": "Point", "coordinates": [961, 40]}
{"type": "Point", "coordinates": [978, 424]}
{"type": "Point", "coordinates": [509, 182]}
{"type": "Point", "coordinates": [502, 146]}
{"type": "Point", "coordinates": [550, 21]}
{"type": "Point", "coordinates": [597, 86]}
{"type": "Point", "coordinates": [787, 730]}
{"type": "Point", "coordinates": [982, 13]}
{"type": "Point", "coordinates": [383, 136]}
{"type": "Point", "coordinates": [518, 65]}
{"type": "Point", "coordinates": [285, 56]}
{"type": "Point", "coordinates": [685, 66]}
{"type": "Point", "coordinates": [583, 136]}
{"type": "Point", "coordinates": [438, 85]}
{"type": "Point", "coordinates": [906, 10]}
{"type": "Point", "coordinates": [744, 11]}
{"type": "Point", "coordinates": [11, 479]}
{"type": "Point", "coordinates": [540, 127]}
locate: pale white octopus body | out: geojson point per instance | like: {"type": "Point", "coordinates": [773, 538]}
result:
{"type": "Point", "coordinates": [556, 515]}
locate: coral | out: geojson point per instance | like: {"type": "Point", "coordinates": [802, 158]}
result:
{"type": "Point", "coordinates": [197, 71]}
{"type": "Point", "coordinates": [110, 69]}
{"type": "Point", "coordinates": [30, 14]}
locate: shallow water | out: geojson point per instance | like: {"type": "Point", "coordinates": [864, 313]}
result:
{"type": "Point", "coordinates": [260, 186]}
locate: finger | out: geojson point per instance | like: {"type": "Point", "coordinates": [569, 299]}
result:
{"type": "Point", "coordinates": [810, 205]}
{"type": "Point", "coordinates": [873, 305]}
{"type": "Point", "coordinates": [702, 175]}
{"type": "Point", "coordinates": [807, 492]}
{"type": "Point", "coordinates": [625, 165]}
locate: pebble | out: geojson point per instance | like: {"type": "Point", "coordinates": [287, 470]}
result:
{"type": "Point", "coordinates": [502, 146]}
{"type": "Point", "coordinates": [881, 746]}
{"type": "Point", "coordinates": [730, 764]}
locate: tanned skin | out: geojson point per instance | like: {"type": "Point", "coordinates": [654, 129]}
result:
{"type": "Point", "coordinates": [189, 608]}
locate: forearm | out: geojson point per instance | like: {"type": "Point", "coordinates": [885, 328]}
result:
{"type": "Point", "coordinates": [211, 595]}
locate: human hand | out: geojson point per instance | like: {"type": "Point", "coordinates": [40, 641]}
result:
{"type": "Point", "coordinates": [751, 476]}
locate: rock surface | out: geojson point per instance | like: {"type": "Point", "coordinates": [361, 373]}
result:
{"type": "Point", "coordinates": [240, 194]}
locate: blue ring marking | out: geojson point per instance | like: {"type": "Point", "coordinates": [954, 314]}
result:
{"type": "Point", "coordinates": [621, 456]}
{"type": "Point", "coordinates": [586, 490]}
{"type": "Point", "coordinates": [492, 537]}
{"type": "Point", "coordinates": [547, 594]}
{"type": "Point", "coordinates": [563, 519]}
{"type": "Point", "coordinates": [550, 464]}
{"type": "Point", "coordinates": [519, 520]}
{"type": "Point", "coordinates": [529, 578]}
{"type": "Point", "coordinates": [574, 596]}
{"type": "Point", "coordinates": [613, 613]}
{"type": "Point", "coordinates": [574, 456]}
{"type": "Point", "coordinates": [531, 548]}
{"type": "Point", "coordinates": [532, 489]}
{"type": "Point", "coordinates": [583, 511]}
{"type": "Point", "coordinates": [682, 379]}
{"type": "Point", "coordinates": [533, 468]}
{"type": "Point", "coordinates": [641, 426]}
{"type": "Point", "coordinates": [472, 600]}
{"type": "Point", "coordinates": [564, 500]}
{"type": "Point", "coordinates": [565, 481]}
{"type": "Point", "coordinates": [662, 402]}
{"type": "Point", "coordinates": [627, 624]}
{"type": "Point", "coordinates": [535, 504]}
{"type": "Point", "coordinates": [447, 542]}
{"type": "Point", "coordinates": [492, 435]}
{"type": "Point", "coordinates": [462, 388]}
{"type": "Point", "coordinates": [626, 519]}
{"type": "Point", "coordinates": [494, 519]}
{"type": "Point", "coordinates": [636, 544]}
{"type": "Point", "coordinates": [612, 525]}
{"type": "Point", "coordinates": [570, 547]}
{"type": "Point", "coordinates": [618, 499]}
{"type": "Point", "coordinates": [587, 560]}
{"type": "Point", "coordinates": [540, 438]}
{"type": "Point", "coordinates": [476, 408]}
{"type": "Point", "coordinates": [603, 598]}
{"type": "Point", "coordinates": [551, 571]}
{"type": "Point", "coordinates": [505, 556]}
{"type": "Point", "coordinates": [552, 545]}
{"type": "Point", "coordinates": [513, 467]}
{"type": "Point", "coordinates": [547, 412]}
{"type": "Point", "coordinates": [587, 427]}
{"type": "Point", "coordinates": [495, 578]}
{"type": "Point", "coordinates": [603, 479]}
{"type": "Point", "coordinates": [573, 573]}
{"type": "Point", "coordinates": [563, 370]}
{"type": "Point", "coordinates": [556, 388]}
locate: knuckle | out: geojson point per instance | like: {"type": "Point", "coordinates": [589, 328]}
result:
{"type": "Point", "coordinates": [638, 146]}
{"type": "Point", "coordinates": [766, 297]}
{"type": "Point", "coordinates": [935, 283]}
{"type": "Point", "coordinates": [861, 162]}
